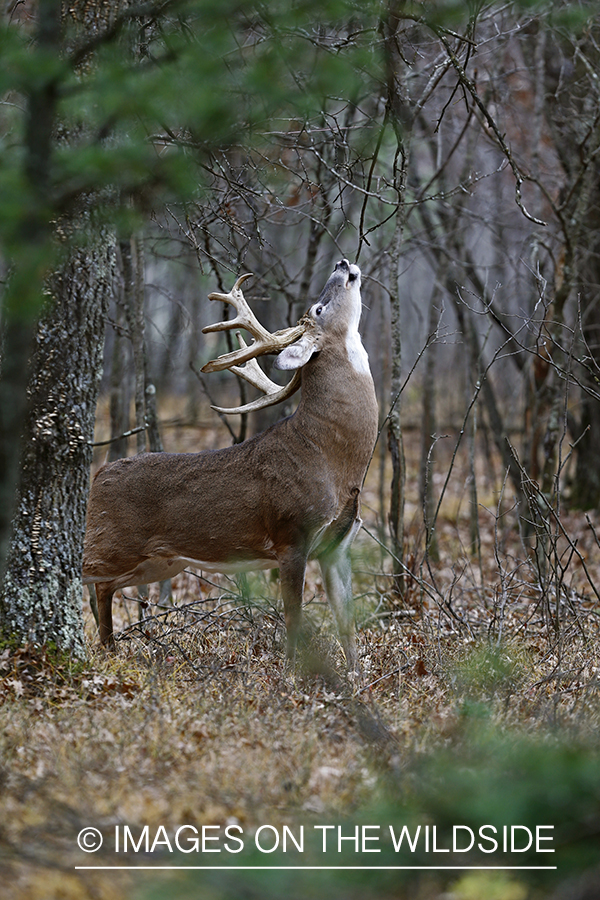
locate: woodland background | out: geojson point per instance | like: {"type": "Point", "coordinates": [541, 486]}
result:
{"type": "Point", "coordinates": [151, 152]}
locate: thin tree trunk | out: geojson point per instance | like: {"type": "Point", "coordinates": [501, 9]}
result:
{"type": "Point", "coordinates": [193, 349]}
{"type": "Point", "coordinates": [395, 442]}
{"type": "Point", "coordinates": [146, 418]}
{"type": "Point", "coordinates": [428, 438]}
{"type": "Point", "coordinates": [400, 115]}
{"type": "Point", "coordinates": [133, 289]}
{"type": "Point", "coordinates": [119, 388]}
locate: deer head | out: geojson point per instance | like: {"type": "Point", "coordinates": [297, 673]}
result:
{"type": "Point", "coordinates": [335, 315]}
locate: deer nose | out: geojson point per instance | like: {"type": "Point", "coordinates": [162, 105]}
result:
{"type": "Point", "coordinates": [343, 264]}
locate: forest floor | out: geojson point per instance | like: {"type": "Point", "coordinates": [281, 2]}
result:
{"type": "Point", "coordinates": [196, 721]}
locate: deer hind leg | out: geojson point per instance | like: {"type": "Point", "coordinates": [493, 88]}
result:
{"type": "Point", "coordinates": [292, 569]}
{"type": "Point", "coordinates": [104, 595]}
{"type": "Point", "coordinates": [337, 578]}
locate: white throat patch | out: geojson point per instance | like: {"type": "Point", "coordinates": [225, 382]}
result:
{"type": "Point", "coordinates": [358, 356]}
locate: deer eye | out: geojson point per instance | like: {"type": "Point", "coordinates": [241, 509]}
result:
{"type": "Point", "coordinates": [318, 310]}
{"type": "Point", "coordinates": [352, 276]}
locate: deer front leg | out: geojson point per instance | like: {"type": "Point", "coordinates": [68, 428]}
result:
{"type": "Point", "coordinates": [337, 578]}
{"type": "Point", "coordinates": [292, 569]}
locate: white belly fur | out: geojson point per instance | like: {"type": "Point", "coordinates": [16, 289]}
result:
{"type": "Point", "coordinates": [159, 569]}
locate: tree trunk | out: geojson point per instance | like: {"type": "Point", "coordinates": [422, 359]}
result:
{"type": "Point", "coordinates": [572, 108]}
{"type": "Point", "coordinates": [17, 340]}
{"type": "Point", "coordinates": [586, 484]}
{"type": "Point", "coordinates": [586, 487]}
{"type": "Point", "coordinates": [399, 114]}
{"type": "Point", "coordinates": [133, 293]}
{"type": "Point", "coordinates": [42, 593]}
{"type": "Point", "coordinates": [396, 444]}
{"type": "Point", "coordinates": [40, 598]}
{"type": "Point", "coordinates": [30, 253]}
{"type": "Point", "coordinates": [428, 439]}
{"type": "Point", "coordinates": [119, 387]}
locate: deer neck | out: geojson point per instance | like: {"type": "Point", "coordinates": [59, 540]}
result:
{"type": "Point", "coordinates": [338, 403]}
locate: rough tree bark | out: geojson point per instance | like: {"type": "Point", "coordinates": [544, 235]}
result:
{"type": "Point", "coordinates": [42, 593]}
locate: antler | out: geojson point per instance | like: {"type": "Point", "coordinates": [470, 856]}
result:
{"type": "Point", "coordinates": [243, 361]}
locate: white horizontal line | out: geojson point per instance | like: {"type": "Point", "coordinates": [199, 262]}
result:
{"type": "Point", "coordinates": [330, 868]}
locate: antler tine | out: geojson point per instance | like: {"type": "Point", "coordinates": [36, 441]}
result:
{"type": "Point", "coordinates": [245, 317]}
{"type": "Point", "coordinates": [264, 341]}
{"type": "Point", "coordinates": [254, 375]}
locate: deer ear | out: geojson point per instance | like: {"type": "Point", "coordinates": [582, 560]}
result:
{"type": "Point", "coordinates": [297, 354]}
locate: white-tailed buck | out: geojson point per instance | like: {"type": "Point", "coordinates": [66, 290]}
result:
{"type": "Point", "coordinates": [274, 501]}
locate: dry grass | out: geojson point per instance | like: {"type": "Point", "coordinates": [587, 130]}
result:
{"type": "Point", "coordinates": [195, 719]}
